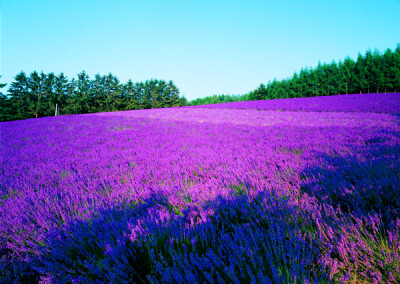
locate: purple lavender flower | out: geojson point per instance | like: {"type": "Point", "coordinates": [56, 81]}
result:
{"type": "Point", "coordinates": [224, 193]}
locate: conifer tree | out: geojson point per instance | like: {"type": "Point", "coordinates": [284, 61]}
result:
{"type": "Point", "coordinates": [174, 95]}
{"type": "Point", "coordinates": [395, 69]}
{"type": "Point", "coordinates": [48, 95]}
{"type": "Point", "coordinates": [259, 93]}
{"type": "Point", "coordinates": [83, 101]}
{"type": "Point", "coordinates": [18, 93]}
{"type": "Point", "coordinates": [36, 95]}
{"type": "Point", "coordinates": [5, 106]}
{"type": "Point", "coordinates": [63, 90]}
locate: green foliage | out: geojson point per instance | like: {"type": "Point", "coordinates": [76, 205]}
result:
{"type": "Point", "coordinates": [38, 95]}
{"type": "Point", "coordinates": [372, 73]}
{"type": "Point", "coordinates": [5, 105]}
{"type": "Point", "coordinates": [216, 99]}
{"type": "Point", "coordinates": [259, 94]}
{"type": "Point", "coordinates": [239, 190]}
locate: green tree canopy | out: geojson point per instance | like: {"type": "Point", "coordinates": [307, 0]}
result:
{"type": "Point", "coordinates": [38, 95]}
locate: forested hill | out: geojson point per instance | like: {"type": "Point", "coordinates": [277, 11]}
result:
{"type": "Point", "coordinates": [218, 99]}
{"type": "Point", "coordinates": [373, 72]}
{"type": "Point", "coordinates": [38, 94]}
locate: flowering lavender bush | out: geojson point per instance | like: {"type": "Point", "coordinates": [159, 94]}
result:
{"type": "Point", "coordinates": [380, 103]}
{"type": "Point", "coordinates": [204, 195]}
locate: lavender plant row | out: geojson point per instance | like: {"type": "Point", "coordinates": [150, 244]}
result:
{"type": "Point", "coordinates": [203, 195]}
{"type": "Point", "coordinates": [380, 103]}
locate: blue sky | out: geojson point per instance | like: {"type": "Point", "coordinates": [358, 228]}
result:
{"type": "Point", "coordinates": [205, 47]}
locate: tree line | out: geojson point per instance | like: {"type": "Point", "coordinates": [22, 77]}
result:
{"type": "Point", "coordinates": [372, 72]}
{"type": "Point", "coordinates": [217, 99]}
{"type": "Point", "coordinates": [38, 94]}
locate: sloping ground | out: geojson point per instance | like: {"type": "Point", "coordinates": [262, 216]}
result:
{"type": "Point", "coordinates": [379, 103]}
{"type": "Point", "coordinates": [203, 195]}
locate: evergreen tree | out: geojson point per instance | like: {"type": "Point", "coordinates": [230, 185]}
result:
{"type": "Point", "coordinates": [360, 75]}
{"type": "Point", "coordinates": [388, 76]}
{"type": "Point", "coordinates": [305, 82]}
{"type": "Point", "coordinates": [130, 96]}
{"type": "Point", "coordinates": [5, 105]}
{"type": "Point", "coordinates": [82, 99]}
{"type": "Point", "coordinates": [331, 85]}
{"type": "Point", "coordinates": [173, 92]}
{"type": "Point", "coordinates": [376, 72]}
{"type": "Point", "coordinates": [283, 90]}
{"type": "Point", "coordinates": [113, 91]}
{"type": "Point", "coordinates": [131, 92]}
{"type": "Point", "coordinates": [347, 71]}
{"type": "Point", "coordinates": [369, 66]}
{"type": "Point", "coordinates": [317, 79]}
{"type": "Point", "coordinates": [294, 86]}
{"type": "Point", "coordinates": [148, 94]}
{"type": "Point", "coordinates": [2, 85]}
{"type": "Point", "coordinates": [183, 101]}
{"type": "Point", "coordinates": [395, 69]}
{"type": "Point", "coordinates": [35, 98]}
{"type": "Point", "coordinates": [273, 86]}
{"type": "Point", "coordinates": [141, 95]}
{"type": "Point", "coordinates": [18, 93]}
{"type": "Point", "coordinates": [167, 99]}
{"type": "Point", "coordinates": [48, 95]}
{"type": "Point", "coordinates": [157, 94]}
{"type": "Point", "coordinates": [63, 90]}
{"type": "Point", "coordinates": [259, 93]}
{"type": "Point", "coordinates": [98, 94]}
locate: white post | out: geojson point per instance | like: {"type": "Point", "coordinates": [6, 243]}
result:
{"type": "Point", "coordinates": [56, 111]}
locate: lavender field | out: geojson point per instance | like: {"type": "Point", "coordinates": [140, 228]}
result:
{"type": "Point", "coordinates": [287, 191]}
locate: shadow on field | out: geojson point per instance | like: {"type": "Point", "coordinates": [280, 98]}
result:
{"type": "Point", "coordinates": [397, 115]}
{"type": "Point", "coordinates": [231, 239]}
{"type": "Point", "coordinates": [270, 238]}
{"type": "Point", "coordinates": [13, 270]}
{"type": "Point", "coordinates": [239, 241]}
{"type": "Point", "coordinates": [366, 181]}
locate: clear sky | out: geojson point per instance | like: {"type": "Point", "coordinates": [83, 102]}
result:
{"type": "Point", "coordinates": [206, 47]}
